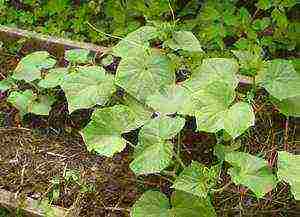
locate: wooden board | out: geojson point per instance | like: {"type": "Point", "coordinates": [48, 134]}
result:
{"type": "Point", "coordinates": [10, 201]}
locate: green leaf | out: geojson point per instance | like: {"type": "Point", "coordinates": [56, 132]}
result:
{"type": "Point", "coordinates": [153, 152]}
{"type": "Point", "coordinates": [153, 158]}
{"type": "Point", "coordinates": [289, 106]}
{"type": "Point", "coordinates": [169, 101]}
{"type": "Point", "coordinates": [7, 84]}
{"type": "Point", "coordinates": [261, 24]}
{"type": "Point", "coordinates": [280, 79]}
{"type": "Point", "coordinates": [289, 171]}
{"type": "Point", "coordinates": [264, 4]}
{"type": "Point", "coordinates": [184, 40]}
{"type": "Point", "coordinates": [42, 105]}
{"type": "Point", "coordinates": [141, 110]}
{"type": "Point", "coordinates": [29, 68]}
{"type": "Point", "coordinates": [103, 133]}
{"type": "Point", "coordinates": [252, 172]}
{"type": "Point", "coordinates": [250, 61]}
{"type": "Point", "coordinates": [27, 102]}
{"type": "Point", "coordinates": [196, 179]}
{"type": "Point", "coordinates": [55, 77]}
{"type": "Point", "coordinates": [238, 119]}
{"type": "Point", "coordinates": [188, 205]}
{"type": "Point", "coordinates": [78, 56]}
{"type": "Point", "coordinates": [245, 16]}
{"type": "Point", "coordinates": [137, 40]}
{"type": "Point", "coordinates": [87, 87]}
{"type": "Point", "coordinates": [143, 75]}
{"type": "Point", "coordinates": [151, 204]}
{"type": "Point", "coordinates": [280, 18]}
{"type": "Point", "coordinates": [161, 128]}
{"type": "Point", "coordinates": [214, 100]}
{"type": "Point", "coordinates": [211, 70]}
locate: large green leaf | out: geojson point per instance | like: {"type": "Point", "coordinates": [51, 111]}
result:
{"type": "Point", "coordinates": [197, 179]}
{"type": "Point", "coordinates": [27, 102]}
{"type": "Point", "coordinates": [188, 205]}
{"type": "Point", "coordinates": [251, 171]}
{"type": "Point", "coordinates": [78, 56]}
{"type": "Point", "coordinates": [169, 101]}
{"type": "Point", "coordinates": [289, 106]}
{"type": "Point", "coordinates": [137, 41]}
{"type": "Point", "coordinates": [29, 68]}
{"type": "Point", "coordinates": [280, 79]}
{"type": "Point", "coordinates": [215, 113]}
{"type": "Point", "coordinates": [211, 70]}
{"type": "Point", "coordinates": [289, 171]}
{"type": "Point", "coordinates": [153, 152]}
{"type": "Point", "coordinates": [142, 75]}
{"type": "Point", "coordinates": [238, 119]}
{"type": "Point", "coordinates": [103, 133]}
{"type": "Point", "coordinates": [55, 77]}
{"type": "Point", "coordinates": [184, 40]}
{"type": "Point", "coordinates": [88, 86]}
{"type": "Point", "coordinates": [151, 204]}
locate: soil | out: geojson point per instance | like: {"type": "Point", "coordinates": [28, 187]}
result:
{"type": "Point", "coordinates": [31, 157]}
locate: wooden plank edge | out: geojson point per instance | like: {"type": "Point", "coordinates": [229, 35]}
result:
{"type": "Point", "coordinates": [20, 33]}
{"type": "Point", "coordinates": [10, 200]}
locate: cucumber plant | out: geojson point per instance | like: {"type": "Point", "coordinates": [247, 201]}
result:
{"type": "Point", "coordinates": [147, 78]}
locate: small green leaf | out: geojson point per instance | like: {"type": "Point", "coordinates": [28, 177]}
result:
{"type": "Point", "coordinates": [27, 102]}
{"type": "Point", "coordinates": [289, 106]}
{"type": "Point", "coordinates": [238, 119]}
{"type": "Point", "coordinates": [289, 171]}
{"type": "Point", "coordinates": [245, 16]}
{"type": "Point", "coordinates": [168, 101]}
{"type": "Point", "coordinates": [152, 158]}
{"type": "Point", "coordinates": [142, 75]}
{"type": "Point", "coordinates": [87, 87]}
{"type": "Point", "coordinates": [280, 79]}
{"type": "Point", "coordinates": [156, 204]}
{"type": "Point", "coordinates": [29, 68]}
{"type": "Point", "coordinates": [264, 4]}
{"type": "Point", "coordinates": [42, 105]}
{"type": "Point", "coordinates": [137, 40]}
{"type": "Point", "coordinates": [249, 61]}
{"type": "Point", "coordinates": [78, 56]}
{"type": "Point", "coordinates": [161, 128]}
{"type": "Point", "coordinates": [21, 100]}
{"type": "Point", "coordinates": [7, 84]}
{"type": "Point", "coordinates": [261, 24]}
{"type": "Point", "coordinates": [189, 205]}
{"type": "Point", "coordinates": [196, 179]}
{"type": "Point", "coordinates": [184, 40]}
{"type": "Point", "coordinates": [153, 152]}
{"type": "Point", "coordinates": [103, 133]}
{"type": "Point", "coordinates": [280, 18]}
{"type": "Point", "coordinates": [252, 172]}
{"type": "Point", "coordinates": [151, 204]}
{"type": "Point", "coordinates": [55, 77]}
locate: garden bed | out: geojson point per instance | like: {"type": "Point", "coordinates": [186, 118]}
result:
{"type": "Point", "coordinates": [48, 165]}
